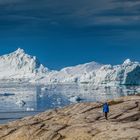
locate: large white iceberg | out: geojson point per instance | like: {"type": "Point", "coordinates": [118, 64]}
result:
{"type": "Point", "coordinates": [21, 66]}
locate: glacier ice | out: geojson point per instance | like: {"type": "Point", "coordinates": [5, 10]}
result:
{"type": "Point", "coordinates": [19, 66]}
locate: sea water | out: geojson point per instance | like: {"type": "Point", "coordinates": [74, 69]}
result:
{"type": "Point", "coordinates": [18, 101]}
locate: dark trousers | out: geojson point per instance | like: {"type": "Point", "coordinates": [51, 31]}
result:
{"type": "Point", "coordinates": [106, 113]}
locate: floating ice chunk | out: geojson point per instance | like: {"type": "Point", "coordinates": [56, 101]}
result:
{"type": "Point", "coordinates": [44, 88]}
{"type": "Point", "coordinates": [41, 95]}
{"type": "Point", "coordinates": [29, 109]}
{"type": "Point", "coordinates": [59, 100]}
{"type": "Point", "coordinates": [75, 99]}
{"type": "Point", "coordinates": [138, 89]}
{"type": "Point", "coordinates": [21, 103]}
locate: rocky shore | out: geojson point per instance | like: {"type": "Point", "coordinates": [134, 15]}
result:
{"type": "Point", "coordinates": [83, 121]}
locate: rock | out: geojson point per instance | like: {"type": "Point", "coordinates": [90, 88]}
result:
{"type": "Point", "coordinates": [82, 121]}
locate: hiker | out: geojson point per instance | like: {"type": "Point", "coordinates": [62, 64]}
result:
{"type": "Point", "coordinates": [106, 110]}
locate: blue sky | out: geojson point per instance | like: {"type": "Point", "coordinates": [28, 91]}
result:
{"type": "Point", "coordinates": [68, 32]}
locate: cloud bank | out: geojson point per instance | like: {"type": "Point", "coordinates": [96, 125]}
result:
{"type": "Point", "coordinates": [93, 17]}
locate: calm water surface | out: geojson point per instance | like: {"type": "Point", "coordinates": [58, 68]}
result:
{"type": "Point", "coordinates": [17, 101]}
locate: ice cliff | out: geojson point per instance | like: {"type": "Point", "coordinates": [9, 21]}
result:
{"type": "Point", "coordinates": [19, 65]}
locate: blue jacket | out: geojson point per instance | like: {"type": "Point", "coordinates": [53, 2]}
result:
{"type": "Point", "coordinates": [105, 107]}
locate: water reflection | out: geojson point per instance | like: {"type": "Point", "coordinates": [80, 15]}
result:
{"type": "Point", "coordinates": [16, 95]}
{"type": "Point", "coordinates": [17, 101]}
{"type": "Point", "coordinates": [92, 93]}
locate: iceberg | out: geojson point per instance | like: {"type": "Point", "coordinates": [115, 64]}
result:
{"type": "Point", "coordinates": [21, 67]}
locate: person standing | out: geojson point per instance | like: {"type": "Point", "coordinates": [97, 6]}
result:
{"type": "Point", "coordinates": [106, 110]}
